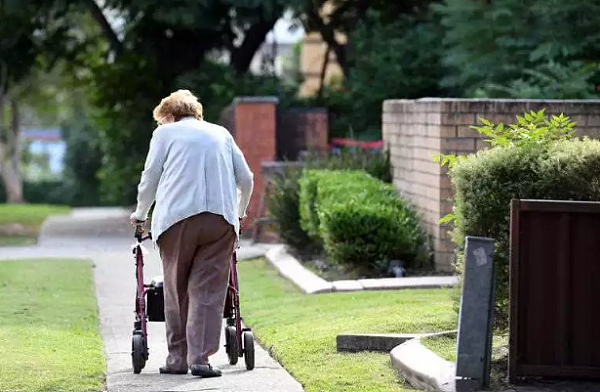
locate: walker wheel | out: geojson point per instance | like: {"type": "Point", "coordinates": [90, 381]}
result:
{"type": "Point", "coordinates": [139, 353]}
{"type": "Point", "coordinates": [249, 350]}
{"type": "Point", "coordinates": [231, 345]}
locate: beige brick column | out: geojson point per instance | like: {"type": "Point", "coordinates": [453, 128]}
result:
{"type": "Point", "coordinates": [415, 131]}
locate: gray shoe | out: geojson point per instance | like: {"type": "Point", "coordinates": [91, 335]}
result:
{"type": "Point", "coordinates": [205, 371]}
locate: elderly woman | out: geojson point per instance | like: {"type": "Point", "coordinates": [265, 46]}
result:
{"type": "Point", "coordinates": [193, 170]}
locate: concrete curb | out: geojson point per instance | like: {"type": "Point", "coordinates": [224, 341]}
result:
{"type": "Point", "coordinates": [291, 269]}
{"type": "Point", "coordinates": [310, 283]}
{"type": "Point", "coordinates": [422, 368]}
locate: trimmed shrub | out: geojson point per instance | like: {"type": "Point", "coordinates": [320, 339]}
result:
{"type": "Point", "coordinates": [283, 201]}
{"type": "Point", "coordinates": [543, 163]}
{"type": "Point", "coordinates": [360, 220]}
{"type": "Point", "coordinates": [322, 186]}
{"type": "Point", "coordinates": [283, 205]}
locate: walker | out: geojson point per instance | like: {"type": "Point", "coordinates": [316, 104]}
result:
{"type": "Point", "coordinates": [149, 307]}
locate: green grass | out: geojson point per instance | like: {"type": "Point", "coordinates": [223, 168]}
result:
{"type": "Point", "coordinates": [444, 346]}
{"type": "Point", "coordinates": [49, 340]}
{"type": "Point", "coordinates": [30, 216]}
{"type": "Point", "coordinates": [17, 240]}
{"type": "Point", "coordinates": [300, 330]}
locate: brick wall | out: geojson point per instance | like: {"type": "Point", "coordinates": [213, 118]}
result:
{"type": "Point", "coordinates": [300, 129]}
{"type": "Point", "coordinates": [417, 130]}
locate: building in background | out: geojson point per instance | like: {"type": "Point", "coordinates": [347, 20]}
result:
{"type": "Point", "coordinates": [314, 64]}
{"type": "Point", "coordinates": [43, 153]}
{"type": "Point", "coordinates": [278, 55]}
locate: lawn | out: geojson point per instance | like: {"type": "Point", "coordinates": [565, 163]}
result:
{"type": "Point", "coordinates": [444, 346]}
{"type": "Point", "coordinates": [49, 339]}
{"type": "Point", "coordinates": [300, 330]}
{"type": "Point", "coordinates": [20, 223]}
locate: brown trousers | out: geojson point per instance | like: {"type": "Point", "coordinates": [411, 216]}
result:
{"type": "Point", "coordinates": [195, 253]}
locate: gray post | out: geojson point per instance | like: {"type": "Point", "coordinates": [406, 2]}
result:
{"type": "Point", "coordinates": [474, 344]}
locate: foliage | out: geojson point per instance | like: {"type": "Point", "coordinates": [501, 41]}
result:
{"type": "Point", "coordinates": [283, 205]}
{"type": "Point", "coordinates": [126, 129]}
{"type": "Point", "coordinates": [360, 220]}
{"type": "Point", "coordinates": [531, 128]}
{"type": "Point", "coordinates": [526, 49]}
{"type": "Point", "coordinates": [276, 310]}
{"type": "Point", "coordinates": [544, 163]}
{"type": "Point", "coordinates": [83, 160]}
{"type": "Point", "coordinates": [574, 80]}
{"type": "Point", "coordinates": [388, 61]}
{"type": "Point", "coordinates": [283, 200]}
{"type": "Point", "coordinates": [51, 192]}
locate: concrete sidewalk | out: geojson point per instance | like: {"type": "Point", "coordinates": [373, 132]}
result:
{"type": "Point", "coordinates": [84, 233]}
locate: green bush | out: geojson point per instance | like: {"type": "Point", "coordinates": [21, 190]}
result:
{"type": "Point", "coordinates": [537, 158]}
{"type": "Point", "coordinates": [284, 195]}
{"type": "Point", "coordinates": [360, 220]}
{"type": "Point", "coordinates": [321, 187]}
{"type": "Point", "coordinates": [282, 204]}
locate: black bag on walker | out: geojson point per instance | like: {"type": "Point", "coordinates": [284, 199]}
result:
{"type": "Point", "coordinates": [155, 305]}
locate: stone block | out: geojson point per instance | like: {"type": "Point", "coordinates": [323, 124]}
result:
{"type": "Point", "coordinates": [429, 166]}
{"type": "Point", "coordinates": [593, 121]}
{"type": "Point", "coordinates": [481, 144]}
{"type": "Point", "coordinates": [474, 343]}
{"type": "Point", "coordinates": [590, 107]}
{"type": "Point", "coordinates": [446, 131]}
{"type": "Point", "coordinates": [447, 194]}
{"type": "Point", "coordinates": [505, 106]}
{"type": "Point", "coordinates": [466, 144]}
{"type": "Point", "coordinates": [433, 118]}
{"type": "Point", "coordinates": [444, 261]}
{"type": "Point", "coordinates": [458, 119]}
{"type": "Point", "coordinates": [371, 342]}
{"type": "Point", "coordinates": [444, 245]}
{"type": "Point", "coordinates": [580, 120]}
{"type": "Point", "coordinates": [466, 131]}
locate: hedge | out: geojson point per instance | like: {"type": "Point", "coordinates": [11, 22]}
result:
{"type": "Point", "coordinates": [360, 221]}
{"type": "Point", "coordinates": [485, 183]}
{"type": "Point", "coordinates": [284, 194]}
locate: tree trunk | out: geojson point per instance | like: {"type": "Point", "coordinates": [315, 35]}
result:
{"type": "Point", "coordinates": [9, 153]}
{"type": "Point", "coordinates": [324, 71]}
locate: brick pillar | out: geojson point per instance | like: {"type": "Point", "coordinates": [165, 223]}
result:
{"type": "Point", "coordinates": [255, 125]}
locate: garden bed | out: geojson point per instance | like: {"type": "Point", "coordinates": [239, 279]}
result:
{"type": "Point", "coordinates": [319, 265]}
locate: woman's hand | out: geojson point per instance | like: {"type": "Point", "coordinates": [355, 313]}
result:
{"type": "Point", "coordinates": [135, 221]}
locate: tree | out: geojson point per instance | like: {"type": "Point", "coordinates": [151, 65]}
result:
{"type": "Point", "coordinates": [334, 19]}
{"type": "Point", "coordinates": [138, 51]}
{"type": "Point", "coordinates": [391, 58]}
{"type": "Point", "coordinates": [27, 31]}
{"type": "Point", "coordinates": [521, 48]}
